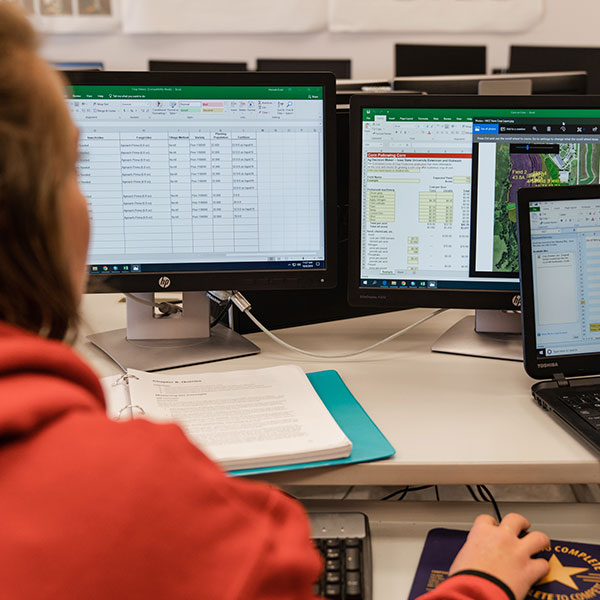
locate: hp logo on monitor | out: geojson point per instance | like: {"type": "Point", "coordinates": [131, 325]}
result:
{"type": "Point", "coordinates": [516, 300]}
{"type": "Point", "coordinates": [164, 282]}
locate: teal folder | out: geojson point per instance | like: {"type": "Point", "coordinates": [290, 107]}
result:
{"type": "Point", "coordinates": [368, 443]}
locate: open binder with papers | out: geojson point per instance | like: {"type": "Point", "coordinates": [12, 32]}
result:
{"type": "Point", "coordinates": [254, 421]}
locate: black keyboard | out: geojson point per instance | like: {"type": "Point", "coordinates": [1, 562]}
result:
{"type": "Point", "coordinates": [586, 403]}
{"type": "Point", "coordinates": [344, 541]}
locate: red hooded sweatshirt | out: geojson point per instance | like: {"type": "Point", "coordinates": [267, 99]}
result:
{"type": "Point", "coordinates": [95, 509]}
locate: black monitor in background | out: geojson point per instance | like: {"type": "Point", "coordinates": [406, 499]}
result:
{"type": "Point", "coordinates": [553, 58]}
{"type": "Point", "coordinates": [433, 183]}
{"type": "Point", "coordinates": [203, 182]}
{"type": "Point", "coordinates": [188, 65]}
{"type": "Point", "coordinates": [421, 59]}
{"type": "Point", "coordinates": [569, 82]}
{"type": "Point", "coordinates": [341, 68]}
{"type": "Point", "coordinates": [78, 66]}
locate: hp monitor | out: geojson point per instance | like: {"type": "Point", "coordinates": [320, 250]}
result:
{"type": "Point", "coordinates": [433, 183]}
{"type": "Point", "coordinates": [205, 182]}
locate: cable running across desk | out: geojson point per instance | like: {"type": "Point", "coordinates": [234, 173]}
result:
{"type": "Point", "coordinates": [244, 306]}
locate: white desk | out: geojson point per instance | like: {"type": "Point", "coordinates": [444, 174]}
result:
{"type": "Point", "coordinates": [452, 419]}
{"type": "Point", "coordinates": [398, 531]}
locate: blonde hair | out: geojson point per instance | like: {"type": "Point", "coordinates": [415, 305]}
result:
{"type": "Point", "coordinates": [36, 156]}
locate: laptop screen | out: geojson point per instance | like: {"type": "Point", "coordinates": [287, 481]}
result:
{"type": "Point", "coordinates": [565, 253]}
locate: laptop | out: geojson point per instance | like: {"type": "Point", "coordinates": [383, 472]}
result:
{"type": "Point", "coordinates": [559, 248]}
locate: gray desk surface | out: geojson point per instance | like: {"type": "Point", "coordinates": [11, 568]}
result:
{"type": "Point", "coordinates": [398, 531]}
{"type": "Point", "coordinates": [452, 419]}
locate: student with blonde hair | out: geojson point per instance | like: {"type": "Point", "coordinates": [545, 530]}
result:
{"type": "Point", "coordinates": [94, 509]}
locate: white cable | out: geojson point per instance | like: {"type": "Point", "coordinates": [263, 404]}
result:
{"type": "Point", "coordinates": [244, 306]}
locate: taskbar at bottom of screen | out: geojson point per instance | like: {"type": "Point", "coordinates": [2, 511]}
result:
{"type": "Point", "coordinates": [121, 269]}
{"type": "Point", "coordinates": [436, 284]}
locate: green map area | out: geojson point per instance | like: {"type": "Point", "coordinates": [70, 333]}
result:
{"type": "Point", "coordinates": [575, 164]}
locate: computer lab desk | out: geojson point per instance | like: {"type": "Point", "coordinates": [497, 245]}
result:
{"type": "Point", "coordinates": [452, 419]}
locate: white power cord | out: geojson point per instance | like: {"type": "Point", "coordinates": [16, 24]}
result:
{"type": "Point", "coordinates": [244, 306]}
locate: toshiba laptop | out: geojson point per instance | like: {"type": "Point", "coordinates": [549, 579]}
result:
{"type": "Point", "coordinates": [559, 243]}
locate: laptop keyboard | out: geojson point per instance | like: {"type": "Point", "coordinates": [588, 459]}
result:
{"type": "Point", "coordinates": [585, 403]}
{"type": "Point", "coordinates": [344, 542]}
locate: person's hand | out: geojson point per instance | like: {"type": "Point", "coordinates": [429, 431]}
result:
{"type": "Point", "coordinates": [497, 550]}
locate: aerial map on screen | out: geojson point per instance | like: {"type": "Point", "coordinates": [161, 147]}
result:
{"type": "Point", "coordinates": [574, 164]}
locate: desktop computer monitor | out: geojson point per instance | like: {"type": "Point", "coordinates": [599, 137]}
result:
{"type": "Point", "coordinates": [561, 82]}
{"type": "Point", "coordinates": [425, 59]}
{"type": "Point", "coordinates": [557, 58]}
{"type": "Point", "coordinates": [433, 184]}
{"type": "Point", "coordinates": [188, 65]}
{"type": "Point", "coordinates": [211, 182]}
{"type": "Point", "coordinates": [341, 68]}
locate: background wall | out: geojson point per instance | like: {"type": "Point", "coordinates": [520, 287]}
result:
{"type": "Point", "coordinates": [573, 23]}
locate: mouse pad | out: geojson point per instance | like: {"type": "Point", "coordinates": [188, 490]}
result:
{"type": "Point", "coordinates": [574, 567]}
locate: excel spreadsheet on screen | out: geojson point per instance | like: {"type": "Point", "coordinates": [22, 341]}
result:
{"type": "Point", "coordinates": [210, 181]}
{"type": "Point", "coordinates": [200, 183]}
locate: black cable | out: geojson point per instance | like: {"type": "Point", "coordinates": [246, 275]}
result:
{"type": "Point", "coordinates": [405, 490]}
{"type": "Point", "coordinates": [487, 496]}
{"type": "Point", "coordinates": [215, 298]}
{"type": "Point", "coordinates": [389, 496]}
{"type": "Point", "coordinates": [403, 494]}
{"type": "Point", "coordinates": [347, 492]}
{"type": "Point", "coordinates": [223, 312]}
{"type": "Point", "coordinates": [417, 488]}
{"type": "Point", "coordinates": [473, 495]}
{"type": "Point", "coordinates": [437, 493]}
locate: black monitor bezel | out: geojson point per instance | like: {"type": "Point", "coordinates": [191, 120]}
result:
{"type": "Point", "coordinates": [434, 298]}
{"type": "Point", "coordinates": [544, 367]}
{"type": "Point", "coordinates": [325, 278]}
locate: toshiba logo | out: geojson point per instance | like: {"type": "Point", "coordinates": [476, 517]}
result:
{"type": "Point", "coordinates": [547, 365]}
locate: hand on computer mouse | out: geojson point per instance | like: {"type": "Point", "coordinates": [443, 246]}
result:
{"type": "Point", "coordinates": [496, 549]}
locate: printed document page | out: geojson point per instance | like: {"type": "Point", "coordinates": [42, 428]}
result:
{"type": "Point", "coordinates": [251, 418]}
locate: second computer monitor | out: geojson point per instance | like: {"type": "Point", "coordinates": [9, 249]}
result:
{"type": "Point", "coordinates": [433, 183]}
{"type": "Point", "coordinates": [420, 59]}
{"type": "Point", "coordinates": [341, 68]}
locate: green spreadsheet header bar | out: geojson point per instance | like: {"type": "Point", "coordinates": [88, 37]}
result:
{"type": "Point", "coordinates": [468, 114]}
{"type": "Point", "coordinates": [191, 92]}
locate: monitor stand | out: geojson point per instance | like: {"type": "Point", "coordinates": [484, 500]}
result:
{"type": "Point", "coordinates": [487, 334]}
{"type": "Point", "coordinates": [152, 342]}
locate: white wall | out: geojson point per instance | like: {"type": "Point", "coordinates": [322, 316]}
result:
{"type": "Point", "coordinates": [565, 23]}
